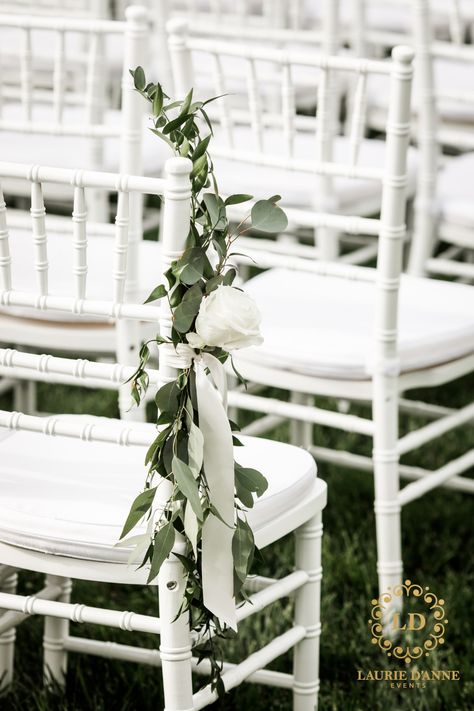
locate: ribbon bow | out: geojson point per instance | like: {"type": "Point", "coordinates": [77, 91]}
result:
{"type": "Point", "coordinates": [217, 559]}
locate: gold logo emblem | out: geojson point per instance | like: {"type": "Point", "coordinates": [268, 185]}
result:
{"type": "Point", "coordinates": [421, 631]}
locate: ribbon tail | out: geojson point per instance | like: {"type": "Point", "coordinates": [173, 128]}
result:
{"type": "Point", "coordinates": [217, 558]}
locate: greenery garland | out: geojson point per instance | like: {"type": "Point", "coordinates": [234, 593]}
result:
{"type": "Point", "coordinates": [177, 451]}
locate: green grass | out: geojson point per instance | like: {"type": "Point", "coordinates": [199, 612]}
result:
{"type": "Point", "coordinates": [437, 540]}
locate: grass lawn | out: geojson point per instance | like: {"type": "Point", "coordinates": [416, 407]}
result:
{"type": "Point", "coordinates": [438, 551]}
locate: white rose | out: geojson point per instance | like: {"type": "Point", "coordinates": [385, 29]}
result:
{"type": "Point", "coordinates": [229, 319]}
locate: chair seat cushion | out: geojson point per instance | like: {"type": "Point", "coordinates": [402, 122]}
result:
{"type": "Point", "coordinates": [300, 189]}
{"type": "Point", "coordinates": [456, 191]}
{"type": "Point", "coordinates": [71, 498]}
{"type": "Point", "coordinates": [74, 151]}
{"type": "Point", "coordinates": [323, 326]}
{"type": "Point", "coordinates": [61, 282]}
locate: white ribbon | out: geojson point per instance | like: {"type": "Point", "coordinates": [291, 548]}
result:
{"type": "Point", "coordinates": [217, 559]}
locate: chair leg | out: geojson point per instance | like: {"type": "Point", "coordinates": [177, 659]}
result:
{"type": "Point", "coordinates": [24, 396]}
{"type": "Point", "coordinates": [7, 641]}
{"type": "Point", "coordinates": [175, 640]}
{"type": "Point", "coordinates": [386, 485]}
{"type": "Point", "coordinates": [55, 631]}
{"type": "Point", "coordinates": [301, 433]}
{"type": "Point", "coordinates": [308, 614]}
{"type": "Point", "coordinates": [327, 241]}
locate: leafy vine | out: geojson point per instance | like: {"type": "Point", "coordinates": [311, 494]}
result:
{"type": "Point", "coordinates": [176, 454]}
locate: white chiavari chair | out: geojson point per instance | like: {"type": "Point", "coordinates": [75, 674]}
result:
{"type": "Point", "coordinates": [386, 18]}
{"type": "Point", "coordinates": [121, 143]}
{"type": "Point", "coordinates": [366, 335]}
{"type": "Point", "coordinates": [444, 205]}
{"type": "Point", "coordinates": [48, 117]}
{"type": "Point", "coordinates": [452, 73]}
{"type": "Point", "coordinates": [59, 461]}
{"type": "Point", "coordinates": [280, 151]}
{"type": "Point", "coordinates": [268, 21]}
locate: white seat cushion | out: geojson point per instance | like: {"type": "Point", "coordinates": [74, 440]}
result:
{"type": "Point", "coordinates": [449, 76]}
{"type": "Point", "coordinates": [67, 497]}
{"type": "Point", "coordinates": [61, 282]}
{"type": "Point", "coordinates": [74, 151]}
{"type": "Point", "coordinates": [456, 191]}
{"type": "Point", "coordinates": [323, 326]}
{"type": "Point", "coordinates": [300, 189]}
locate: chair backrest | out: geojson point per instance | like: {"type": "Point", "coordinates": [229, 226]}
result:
{"type": "Point", "coordinates": [436, 128]}
{"type": "Point", "coordinates": [390, 228]}
{"type": "Point", "coordinates": [261, 64]}
{"type": "Point", "coordinates": [68, 95]}
{"type": "Point", "coordinates": [71, 297]}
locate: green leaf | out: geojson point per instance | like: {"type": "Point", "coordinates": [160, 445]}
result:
{"type": "Point", "coordinates": [268, 217]}
{"type": "Point", "coordinates": [158, 293]}
{"type": "Point", "coordinates": [139, 78]}
{"type": "Point", "coordinates": [198, 165]}
{"type": "Point", "coordinates": [251, 479]}
{"type": "Point", "coordinates": [244, 495]}
{"type": "Point", "coordinates": [237, 199]}
{"type": "Point", "coordinates": [184, 148]}
{"type": "Point", "coordinates": [207, 120]}
{"type": "Point", "coordinates": [167, 397]}
{"type": "Point", "coordinates": [158, 442]}
{"type": "Point", "coordinates": [175, 123]}
{"type": "Point", "coordinates": [188, 486]}
{"type": "Point", "coordinates": [195, 448]}
{"type": "Point", "coordinates": [187, 310]}
{"type": "Point", "coordinates": [162, 546]}
{"type": "Point", "coordinates": [274, 198]}
{"type": "Point", "coordinates": [201, 148]}
{"type": "Point", "coordinates": [191, 526]}
{"type": "Point", "coordinates": [216, 210]}
{"type": "Point", "coordinates": [158, 100]}
{"type": "Point", "coordinates": [213, 283]}
{"type": "Point", "coordinates": [242, 549]}
{"type": "Point", "coordinates": [186, 103]}
{"type": "Point", "coordinates": [229, 276]}
{"type": "Point", "coordinates": [192, 266]}
{"type": "Point", "coordinates": [138, 509]}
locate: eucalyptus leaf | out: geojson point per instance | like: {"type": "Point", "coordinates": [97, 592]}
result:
{"type": "Point", "coordinates": [141, 505]}
{"type": "Point", "coordinates": [192, 266]}
{"type": "Point", "coordinates": [268, 217]}
{"type": "Point", "coordinates": [251, 479]}
{"type": "Point", "coordinates": [167, 398]}
{"type": "Point", "coordinates": [242, 549]}
{"type": "Point", "coordinates": [198, 165]}
{"type": "Point", "coordinates": [186, 103]}
{"type": "Point", "coordinates": [163, 543]}
{"type": "Point", "coordinates": [229, 276]}
{"type": "Point", "coordinates": [186, 311]}
{"type": "Point", "coordinates": [201, 148]}
{"type": "Point", "coordinates": [139, 78]}
{"type": "Point", "coordinates": [195, 448]}
{"type": "Point", "coordinates": [175, 123]}
{"type": "Point", "coordinates": [158, 100]}
{"type": "Point", "coordinates": [187, 485]}
{"type": "Point", "coordinates": [158, 293]}
{"type": "Point", "coordinates": [237, 199]}
{"type": "Point", "coordinates": [191, 526]}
